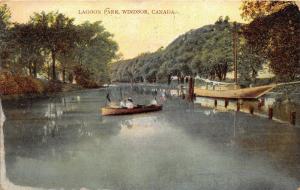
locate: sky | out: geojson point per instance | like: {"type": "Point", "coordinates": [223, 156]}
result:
{"type": "Point", "coordinates": [135, 33]}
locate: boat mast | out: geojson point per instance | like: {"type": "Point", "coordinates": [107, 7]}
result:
{"type": "Point", "coordinates": [235, 51]}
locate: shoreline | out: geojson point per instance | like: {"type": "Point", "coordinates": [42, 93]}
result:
{"type": "Point", "coordinates": [12, 97]}
{"type": "Point", "coordinates": [278, 93]}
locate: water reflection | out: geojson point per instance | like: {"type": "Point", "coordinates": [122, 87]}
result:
{"type": "Point", "coordinates": [63, 142]}
{"type": "Point", "coordinates": [281, 109]}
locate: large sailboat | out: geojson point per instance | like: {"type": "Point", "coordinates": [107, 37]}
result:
{"type": "Point", "coordinates": [236, 92]}
{"type": "Point", "coordinates": [243, 93]}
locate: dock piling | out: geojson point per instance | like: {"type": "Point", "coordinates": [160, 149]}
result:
{"type": "Point", "coordinates": [238, 106]}
{"type": "Point", "coordinates": [270, 113]}
{"type": "Point", "coordinates": [251, 109]}
{"type": "Point", "coordinates": [261, 103]}
{"type": "Point", "coordinates": [191, 89]}
{"type": "Point", "coordinates": [226, 103]}
{"type": "Point", "coordinates": [293, 118]}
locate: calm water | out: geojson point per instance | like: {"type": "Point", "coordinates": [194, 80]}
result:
{"type": "Point", "coordinates": [64, 142]}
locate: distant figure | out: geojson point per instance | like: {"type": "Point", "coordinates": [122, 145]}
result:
{"type": "Point", "coordinates": [129, 103]}
{"type": "Point", "coordinates": [163, 95]}
{"type": "Point", "coordinates": [108, 97]}
{"type": "Point", "coordinates": [153, 102]}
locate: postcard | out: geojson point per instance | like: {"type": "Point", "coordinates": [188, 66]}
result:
{"type": "Point", "coordinates": [149, 95]}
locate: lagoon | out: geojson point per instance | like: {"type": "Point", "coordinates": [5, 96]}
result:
{"type": "Point", "coordinates": [64, 142]}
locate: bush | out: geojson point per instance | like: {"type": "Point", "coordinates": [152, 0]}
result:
{"type": "Point", "coordinates": [82, 77]}
{"type": "Point", "coordinates": [54, 86]}
{"type": "Point", "coordinates": [8, 85]}
{"type": "Point", "coordinates": [15, 84]}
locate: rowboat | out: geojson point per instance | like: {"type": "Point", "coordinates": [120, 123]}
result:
{"type": "Point", "coordinates": [125, 111]}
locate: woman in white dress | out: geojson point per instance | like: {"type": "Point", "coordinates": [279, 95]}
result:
{"type": "Point", "coordinates": [129, 103]}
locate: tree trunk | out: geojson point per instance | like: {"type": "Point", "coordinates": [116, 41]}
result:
{"type": "Point", "coordinates": [34, 70]}
{"type": "Point", "coordinates": [225, 74]}
{"type": "Point", "coordinates": [64, 74]}
{"type": "Point", "coordinates": [71, 78]}
{"type": "Point", "coordinates": [225, 69]}
{"type": "Point", "coordinates": [49, 71]}
{"type": "Point", "coordinates": [169, 79]}
{"type": "Point", "coordinates": [53, 65]}
{"type": "Point", "coordinates": [131, 83]}
{"type": "Point", "coordinates": [29, 68]}
{"type": "Point", "coordinates": [218, 71]}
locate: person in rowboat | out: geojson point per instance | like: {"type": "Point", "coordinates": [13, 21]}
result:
{"type": "Point", "coordinates": [154, 102]}
{"type": "Point", "coordinates": [129, 103]}
{"type": "Point", "coordinates": [122, 104]}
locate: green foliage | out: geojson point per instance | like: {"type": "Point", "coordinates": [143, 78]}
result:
{"type": "Point", "coordinates": [206, 51]}
{"type": "Point", "coordinates": [277, 37]}
{"type": "Point", "coordinates": [249, 64]}
{"type": "Point", "coordinates": [27, 49]}
{"type": "Point", "coordinates": [216, 54]}
{"type": "Point", "coordinates": [82, 77]}
{"type": "Point", "coordinates": [95, 49]}
{"type": "Point", "coordinates": [4, 34]}
{"type": "Point", "coordinates": [56, 34]}
{"type": "Point", "coordinates": [252, 9]}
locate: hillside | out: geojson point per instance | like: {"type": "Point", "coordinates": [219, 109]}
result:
{"type": "Point", "coordinates": [206, 51]}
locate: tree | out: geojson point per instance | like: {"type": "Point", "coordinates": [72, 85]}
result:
{"type": "Point", "coordinates": [249, 63]}
{"type": "Point", "coordinates": [95, 49]}
{"type": "Point", "coordinates": [54, 33]}
{"type": "Point", "coordinates": [4, 31]}
{"type": "Point", "coordinates": [26, 48]}
{"type": "Point", "coordinates": [215, 56]}
{"type": "Point", "coordinates": [277, 37]}
{"type": "Point", "coordinates": [252, 9]}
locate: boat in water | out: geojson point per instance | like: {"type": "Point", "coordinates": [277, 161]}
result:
{"type": "Point", "coordinates": [237, 93]}
{"type": "Point", "coordinates": [243, 93]}
{"type": "Point", "coordinates": [126, 111]}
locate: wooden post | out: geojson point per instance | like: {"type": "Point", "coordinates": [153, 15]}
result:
{"type": "Point", "coordinates": [251, 109]}
{"type": "Point", "coordinates": [216, 103]}
{"type": "Point", "coordinates": [183, 96]}
{"type": "Point", "coordinates": [226, 103]}
{"type": "Point", "coordinates": [169, 79]}
{"type": "Point", "coordinates": [235, 52]}
{"type": "Point", "coordinates": [261, 103]}
{"type": "Point", "coordinates": [182, 92]}
{"type": "Point", "coordinates": [293, 118]}
{"type": "Point", "coordinates": [238, 106]}
{"type": "Point", "coordinates": [270, 113]}
{"type": "Point", "coordinates": [191, 89]}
